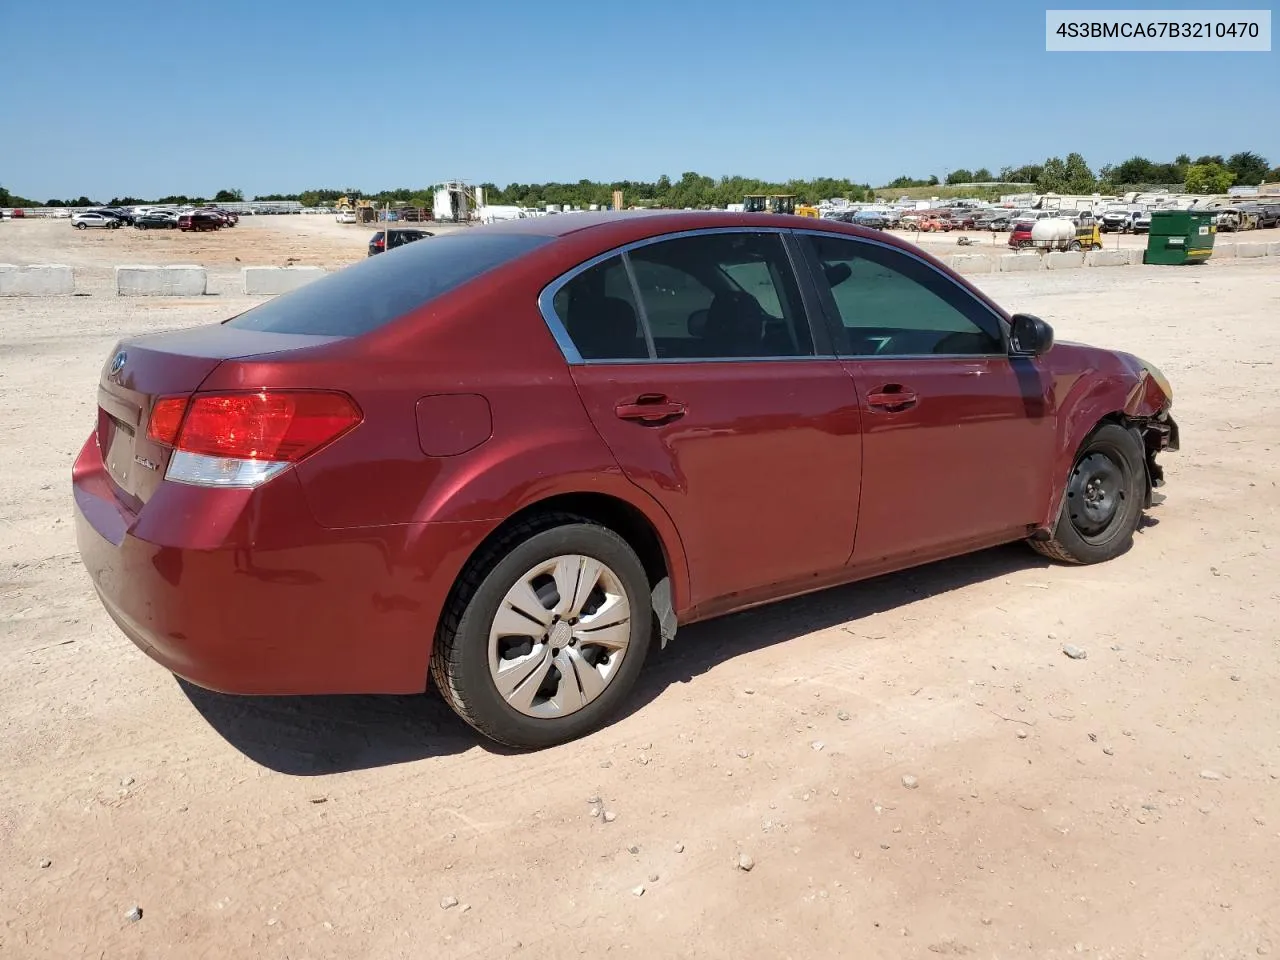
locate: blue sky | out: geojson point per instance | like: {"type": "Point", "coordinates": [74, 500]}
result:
{"type": "Point", "coordinates": [176, 97]}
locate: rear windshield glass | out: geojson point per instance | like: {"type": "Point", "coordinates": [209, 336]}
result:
{"type": "Point", "coordinates": [376, 291]}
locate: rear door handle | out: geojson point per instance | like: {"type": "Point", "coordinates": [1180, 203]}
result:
{"type": "Point", "coordinates": [892, 397]}
{"type": "Point", "coordinates": [651, 408]}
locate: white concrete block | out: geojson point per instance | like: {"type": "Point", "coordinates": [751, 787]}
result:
{"type": "Point", "coordinates": [177, 280]}
{"type": "Point", "coordinates": [1064, 259]}
{"type": "Point", "coordinates": [1248, 251]}
{"type": "Point", "coordinates": [971, 263]}
{"type": "Point", "coordinates": [1136, 255]}
{"type": "Point", "coordinates": [1273, 249]}
{"type": "Point", "coordinates": [270, 281]}
{"type": "Point", "coordinates": [37, 280]}
{"type": "Point", "coordinates": [1224, 251]}
{"type": "Point", "coordinates": [1011, 262]}
{"type": "Point", "coordinates": [1107, 258]}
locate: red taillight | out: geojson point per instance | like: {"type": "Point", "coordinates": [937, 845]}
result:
{"type": "Point", "coordinates": [166, 418]}
{"type": "Point", "coordinates": [271, 425]}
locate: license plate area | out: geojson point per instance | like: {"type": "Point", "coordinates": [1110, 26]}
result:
{"type": "Point", "coordinates": [116, 441]}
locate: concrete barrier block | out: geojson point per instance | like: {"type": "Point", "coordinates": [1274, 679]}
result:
{"type": "Point", "coordinates": [1011, 262]}
{"type": "Point", "coordinates": [971, 263]}
{"type": "Point", "coordinates": [270, 281]}
{"type": "Point", "coordinates": [177, 280]}
{"type": "Point", "coordinates": [1107, 258]}
{"type": "Point", "coordinates": [36, 280]}
{"type": "Point", "coordinates": [1248, 251]}
{"type": "Point", "coordinates": [1136, 255]}
{"type": "Point", "coordinates": [1273, 249]}
{"type": "Point", "coordinates": [1064, 260]}
{"type": "Point", "coordinates": [1224, 251]}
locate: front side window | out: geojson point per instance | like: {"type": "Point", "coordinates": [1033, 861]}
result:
{"type": "Point", "coordinates": [891, 304]}
{"type": "Point", "coordinates": [720, 296]}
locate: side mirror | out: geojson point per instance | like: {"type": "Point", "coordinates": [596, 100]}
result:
{"type": "Point", "coordinates": [1030, 336]}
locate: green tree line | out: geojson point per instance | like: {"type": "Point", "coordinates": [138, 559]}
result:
{"type": "Point", "coordinates": [1211, 173]}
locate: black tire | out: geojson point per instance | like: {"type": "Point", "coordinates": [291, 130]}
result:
{"type": "Point", "coordinates": [82, 226]}
{"type": "Point", "coordinates": [460, 657]}
{"type": "Point", "coordinates": [1074, 245]}
{"type": "Point", "coordinates": [1097, 521]}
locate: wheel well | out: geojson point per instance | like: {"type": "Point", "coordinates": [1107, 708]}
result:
{"type": "Point", "coordinates": [618, 515]}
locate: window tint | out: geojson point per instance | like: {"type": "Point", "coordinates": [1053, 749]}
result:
{"type": "Point", "coordinates": [599, 313]}
{"type": "Point", "coordinates": [719, 295]}
{"type": "Point", "coordinates": [892, 304]}
{"type": "Point", "coordinates": [376, 291]}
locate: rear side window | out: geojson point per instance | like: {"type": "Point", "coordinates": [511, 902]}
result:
{"type": "Point", "coordinates": [376, 291]}
{"type": "Point", "coordinates": [599, 313]}
{"type": "Point", "coordinates": [721, 296]}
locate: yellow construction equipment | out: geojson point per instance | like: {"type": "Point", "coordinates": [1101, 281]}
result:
{"type": "Point", "coordinates": [364, 209]}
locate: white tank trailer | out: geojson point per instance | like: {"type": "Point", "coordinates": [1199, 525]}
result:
{"type": "Point", "coordinates": [1055, 233]}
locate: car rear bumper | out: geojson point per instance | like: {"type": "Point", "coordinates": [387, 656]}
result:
{"type": "Point", "coordinates": [243, 592]}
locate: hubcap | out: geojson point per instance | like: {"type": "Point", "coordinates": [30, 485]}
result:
{"type": "Point", "coordinates": [1095, 494]}
{"type": "Point", "coordinates": [559, 636]}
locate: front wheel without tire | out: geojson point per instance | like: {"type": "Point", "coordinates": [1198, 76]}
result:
{"type": "Point", "coordinates": [1102, 503]}
{"type": "Point", "coordinates": [545, 635]}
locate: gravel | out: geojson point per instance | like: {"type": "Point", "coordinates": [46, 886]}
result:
{"type": "Point", "coordinates": [1210, 775]}
{"type": "Point", "coordinates": [909, 781]}
{"type": "Point", "coordinates": [610, 816]}
{"type": "Point", "coordinates": [679, 847]}
{"type": "Point", "coordinates": [134, 914]}
{"type": "Point", "coordinates": [1074, 652]}
{"type": "Point", "coordinates": [447, 903]}
{"type": "Point", "coordinates": [745, 863]}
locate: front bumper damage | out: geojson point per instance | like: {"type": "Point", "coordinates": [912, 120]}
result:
{"type": "Point", "coordinates": [1158, 433]}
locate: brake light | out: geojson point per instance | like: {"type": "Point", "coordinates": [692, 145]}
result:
{"type": "Point", "coordinates": [166, 419]}
{"type": "Point", "coordinates": [245, 439]}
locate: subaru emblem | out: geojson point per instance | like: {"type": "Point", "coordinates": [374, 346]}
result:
{"type": "Point", "coordinates": [117, 363]}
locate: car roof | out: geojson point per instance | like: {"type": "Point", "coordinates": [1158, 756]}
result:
{"type": "Point", "coordinates": [613, 228]}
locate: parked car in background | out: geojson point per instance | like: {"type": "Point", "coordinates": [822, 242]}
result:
{"type": "Point", "coordinates": [1142, 222]}
{"type": "Point", "coordinates": [872, 219]}
{"type": "Point", "coordinates": [996, 220]}
{"type": "Point", "coordinates": [1117, 220]}
{"type": "Point", "coordinates": [94, 218]}
{"type": "Point", "coordinates": [199, 220]}
{"type": "Point", "coordinates": [156, 220]}
{"type": "Point", "coordinates": [520, 436]}
{"type": "Point", "coordinates": [125, 216]}
{"type": "Point", "coordinates": [963, 220]}
{"type": "Point", "coordinates": [1268, 214]}
{"type": "Point", "coordinates": [1020, 234]}
{"type": "Point", "coordinates": [385, 240]}
{"type": "Point", "coordinates": [345, 216]}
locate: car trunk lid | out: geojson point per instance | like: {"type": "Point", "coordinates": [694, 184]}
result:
{"type": "Point", "coordinates": [139, 372]}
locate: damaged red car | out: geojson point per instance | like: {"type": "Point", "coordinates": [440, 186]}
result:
{"type": "Point", "coordinates": [509, 462]}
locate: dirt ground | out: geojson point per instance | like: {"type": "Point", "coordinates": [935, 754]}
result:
{"type": "Point", "coordinates": [1121, 806]}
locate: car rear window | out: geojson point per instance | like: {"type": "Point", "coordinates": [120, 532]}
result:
{"type": "Point", "coordinates": [374, 292]}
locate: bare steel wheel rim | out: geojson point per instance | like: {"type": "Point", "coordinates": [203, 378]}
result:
{"type": "Point", "coordinates": [1095, 496]}
{"type": "Point", "coordinates": [559, 636]}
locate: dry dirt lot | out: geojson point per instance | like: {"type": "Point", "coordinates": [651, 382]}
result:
{"type": "Point", "coordinates": [1120, 806]}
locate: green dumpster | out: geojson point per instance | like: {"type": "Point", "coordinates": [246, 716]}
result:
{"type": "Point", "coordinates": [1180, 236]}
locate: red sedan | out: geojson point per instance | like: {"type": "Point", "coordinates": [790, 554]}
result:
{"type": "Point", "coordinates": [511, 458]}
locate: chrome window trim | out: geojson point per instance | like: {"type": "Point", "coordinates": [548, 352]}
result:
{"type": "Point", "coordinates": [1001, 323]}
{"type": "Point", "coordinates": [546, 301]}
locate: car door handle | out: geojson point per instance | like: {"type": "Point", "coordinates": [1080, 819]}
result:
{"type": "Point", "coordinates": [651, 408]}
{"type": "Point", "coordinates": [892, 397]}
